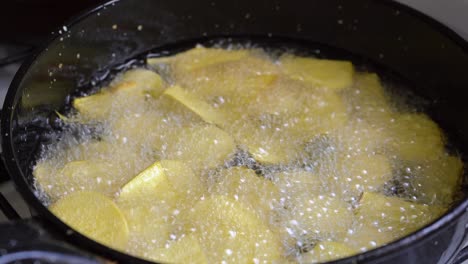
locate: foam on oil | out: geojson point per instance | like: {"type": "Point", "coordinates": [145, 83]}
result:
{"type": "Point", "coordinates": [326, 154]}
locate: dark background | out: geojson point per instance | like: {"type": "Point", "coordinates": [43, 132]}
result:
{"type": "Point", "coordinates": [30, 22]}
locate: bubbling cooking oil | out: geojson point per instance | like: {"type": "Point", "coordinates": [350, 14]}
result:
{"type": "Point", "coordinates": [241, 154]}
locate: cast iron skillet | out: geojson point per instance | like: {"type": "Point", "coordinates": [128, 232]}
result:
{"type": "Point", "coordinates": [421, 51]}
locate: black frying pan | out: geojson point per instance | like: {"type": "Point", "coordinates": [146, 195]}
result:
{"type": "Point", "coordinates": [407, 44]}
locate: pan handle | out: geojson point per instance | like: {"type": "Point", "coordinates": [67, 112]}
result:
{"type": "Point", "coordinates": [43, 257]}
{"type": "Point", "coordinates": [28, 241]}
{"type": "Point", "coordinates": [461, 257]}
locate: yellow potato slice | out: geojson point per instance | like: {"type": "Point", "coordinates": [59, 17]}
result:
{"type": "Point", "coordinates": [383, 219]}
{"type": "Point", "coordinates": [125, 159]}
{"type": "Point", "coordinates": [359, 136]}
{"type": "Point", "coordinates": [152, 200]}
{"type": "Point", "coordinates": [269, 141]}
{"type": "Point", "coordinates": [202, 147]}
{"type": "Point", "coordinates": [230, 86]}
{"type": "Point", "coordinates": [368, 86]}
{"type": "Point", "coordinates": [415, 137]}
{"type": "Point", "coordinates": [324, 113]}
{"type": "Point", "coordinates": [94, 215]}
{"type": "Point", "coordinates": [232, 233]}
{"type": "Point", "coordinates": [303, 112]}
{"type": "Point", "coordinates": [437, 182]}
{"type": "Point", "coordinates": [300, 103]}
{"type": "Point", "coordinates": [199, 57]}
{"type": "Point", "coordinates": [150, 222]}
{"type": "Point", "coordinates": [317, 216]}
{"type": "Point", "coordinates": [103, 166]}
{"type": "Point", "coordinates": [295, 187]}
{"type": "Point", "coordinates": [267, 147]}
{"type": "Point", "coordinates": [185, 250]}
{"type": "Point", "coordinates": [265, 154]}
{"type": "Point", "coordinates": [125, 96]}
{"type": "Point", "coordinates": [43, 172]}
{"type": "Point", "coordinates": [90, 175]}
{"type": "Point", "coordinates": [96, 107]}
{"type": "Point", "coordinates": [103, 105]}
{"type": "Point", "coordinates": [298, 181]}
{"type": "Point", "coordinates": [330, 74]}
{"type": "Point", "coordinates": [366, 237]}
{"type": "Point", "coordinates": [284, 97]}
{"type": "Point", "coordinates": [363, 172]}
{"type": "Point", "coordinates": [148, 130]}
{"type": "Point", "coordinates": [91, 150]}
{"type": "Point", "coordinates": [269, 248]}
{"type": "Point", "coordinates": [151, 183]}
{"type": "Point", "coordinates": [231, 83]}
{"type": "Point", "coordinates": [252, 190]}
{"type": "Point", "coordinates": [326, 251]}
{"type": "Point", "coordinates": [93, 175]}
{"type": "Point", "coordinates": [145, 81]}
{"type": "Point", "coordinates": [182, 178]}
{"type": "Point", "coordinates": [200, 107]}
{"type": "Point", "coordinates": [369, 100]}
{"type": "Point", "coordinates": [163, 180]}
{"type": "Point", "coordinates": [392, 214]}
{"type": "Point", "coordinates": [62, 117]}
